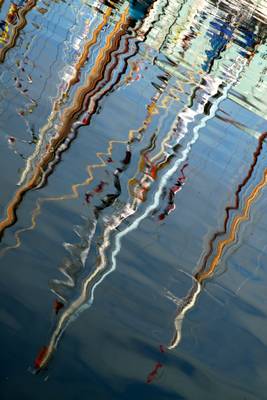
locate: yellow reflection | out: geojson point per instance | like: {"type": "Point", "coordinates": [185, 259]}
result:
{"type": "Point", "coordinates": [69, 116]}
{"type": "Point", "coordinates": [204, 273]}
{"type": "Point", "coordinates": [58, 103]}
{"type": "Point", "coordinates": [244, 216]}
{"type": "Point", "coordinates": [132, 135]}
{"type": "Point", "coordinates": [100, 271]}
{"type": "Point", "coordinates": [21, 23]}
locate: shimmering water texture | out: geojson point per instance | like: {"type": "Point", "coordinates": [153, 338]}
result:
{"type": "Point", "coordinates": [132, 227]}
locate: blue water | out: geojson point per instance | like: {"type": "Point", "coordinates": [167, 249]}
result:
{"type": "Point", "coordinates": [132, 212]}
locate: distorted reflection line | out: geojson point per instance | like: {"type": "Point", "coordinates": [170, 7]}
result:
{"type": "Point", "coordinates": [90, 168]}
{"type": "Point", "coordinates": [84, 300]}
{"type": "Point", "coordinates": [64, 94]}
{"type": "Point", "coordinates": [68, 118]}
{"type": "Point", "coordinates": [75, 307]}
{"type": "Point", "coordinates": [234, 207]}
{"type": "Point", "coordinates": [202, 274]}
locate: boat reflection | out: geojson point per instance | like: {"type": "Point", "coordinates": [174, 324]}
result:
{"type": "Point", "coordinates": [209, 88]}
{"type": "Point", "coordinates": [85, 97]}
{"type": "Point", "coordinates": [201, 53]}
{"type": "Point", "coordinates": [205, 272]}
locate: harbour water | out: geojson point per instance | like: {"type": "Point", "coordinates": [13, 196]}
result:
{"type": "Point", "coordinates": [133, 241]}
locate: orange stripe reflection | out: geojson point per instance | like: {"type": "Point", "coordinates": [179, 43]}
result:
{"type": "Point", "coordinates": [204, 273]}
{"type": "Point", "coordinates": [69, 116]}
{"type": "Point", "coordinates": [233, 229]}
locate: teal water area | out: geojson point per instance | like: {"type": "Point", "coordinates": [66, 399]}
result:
{"type": "Point", "coordinates": [133, 164]}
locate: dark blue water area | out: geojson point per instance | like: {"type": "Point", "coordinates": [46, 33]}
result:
{"type": "Point", "coordinates": [132, 210]}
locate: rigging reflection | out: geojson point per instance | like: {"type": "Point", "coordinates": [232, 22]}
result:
{"type": "Point", "coordinates": [210, 90]}
{"type": "Point", "coordinates": [51, 156]}
{"type": "Point", "coordinates": [205, 272]}
{"type": "Point", "coordinates": [91, 102]}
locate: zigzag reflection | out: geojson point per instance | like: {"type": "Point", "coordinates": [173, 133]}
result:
{"type": "Point", "coordinates": [70, 80]}
{"type": "Point", "coordinates": [68, 118]}
{"type": "Point", "coordinates": [129, 210]}
{"type": "Point", "coordinates": [68, 314]}
{"type": "Point", "coordinates": [91, 102]}
{"type": "Point", "coordinates": [203, 273]}
{"type": "Point", "coordinates": [126, 55]}
{"type": "Point", "coordinates": [236, 205]}
{"type": "Point", "coordinates": [102, 270]}
{"type": "Point", "coordinates": [210, 88]}
{"type": "Point", "coordinates": [64, 93]}
{"type": "Point", "coordinates": [82, 250]}
{"type": "Point", "coordinates": [24, 78]}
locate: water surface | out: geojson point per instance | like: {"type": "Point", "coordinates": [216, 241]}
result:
{"type": "Point", "coordinates": [133, 234]}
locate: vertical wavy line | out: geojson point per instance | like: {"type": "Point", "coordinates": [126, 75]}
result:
{"type": "Point", "coordinates": [56, 106]}
{"type": "Point", "coordinates": [74, 193]}
{"type": "Point", "coordinates": [68, 117]}
{"type": "Point", "coordinates": [201, 275]}
{"type": "Point", "coordinates": [244, 216]}
{"type": "Point", "coordinates": [235, 206]}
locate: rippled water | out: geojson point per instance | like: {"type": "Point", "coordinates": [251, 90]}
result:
{"type": "Point", "coordinates": [133, 228]}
